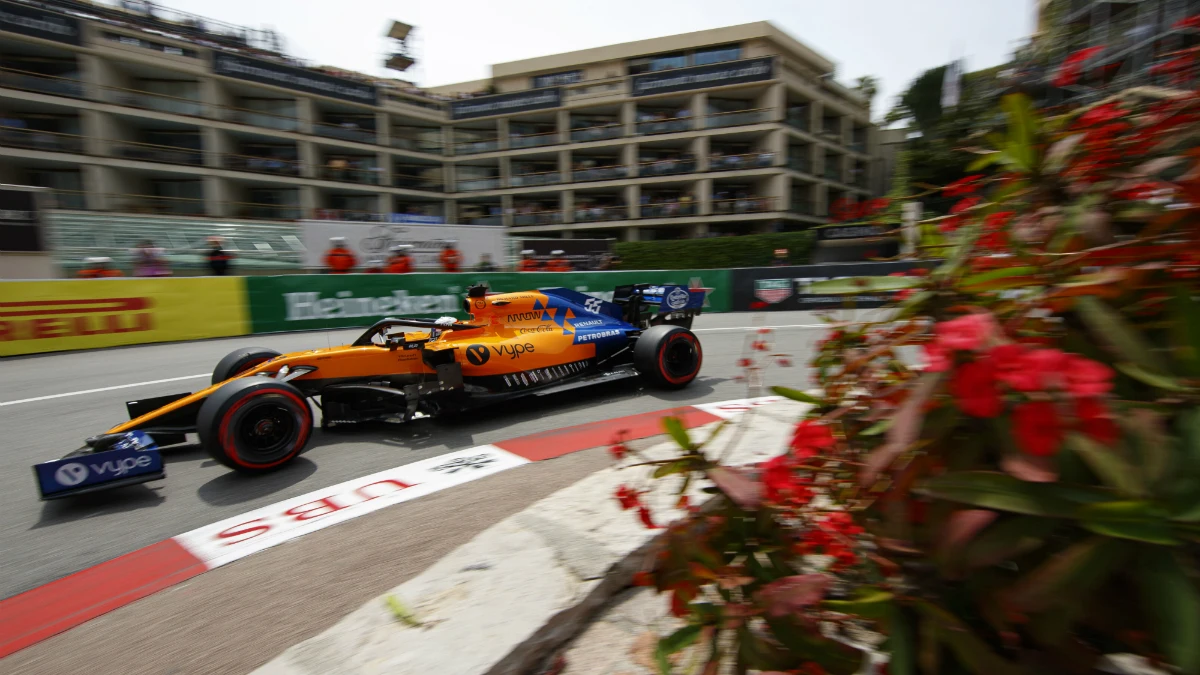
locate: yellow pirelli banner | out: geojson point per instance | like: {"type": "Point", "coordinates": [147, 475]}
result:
{"type": "Point", "coordinates": [48, 316]}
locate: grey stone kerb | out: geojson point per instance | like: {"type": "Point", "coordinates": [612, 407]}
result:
{"type": "Point", "coordinates": [523, 588]}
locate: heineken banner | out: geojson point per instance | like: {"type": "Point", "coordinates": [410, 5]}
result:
{"type": "Point", "coordinates": [787, 288]}
{"type": "Point", "coordinates": [309, 301]}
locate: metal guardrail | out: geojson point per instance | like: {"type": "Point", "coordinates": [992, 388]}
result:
{"type": "Point", "coordinates": [533, 140]}
{"type": "Point", "coordinates": [722, 207]}
{"type": "Point", "coordinates": [593, 214]}
{"type": "Point", "coordinates": [535, 178]}
{"type": "Point", "coordinates": [750, 160]}
{"type": "Point", "coordinates": [32, 139]}
{"type": "Point", "coordinates": [664, 126]}
{"type": "Point", "coordinates": [610, 172]}
{"type": "Point", "coordinates": [598, 133]}
{"type": "Point", "coordinates": [734, 118]}
{"type": "Point", "coordinates": [667, 166]}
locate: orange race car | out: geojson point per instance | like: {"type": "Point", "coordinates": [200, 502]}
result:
{"type": "Point", "coordinates": [257, 416]}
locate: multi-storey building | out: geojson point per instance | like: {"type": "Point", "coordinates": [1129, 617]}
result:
{"type": "Point", "coordinates": [734, 130]}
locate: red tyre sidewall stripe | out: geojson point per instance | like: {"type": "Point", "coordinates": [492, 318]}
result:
{"type": "Point", "coordinates": [662, 356]}
{"type": "Point", "coordinates": [227, 442]}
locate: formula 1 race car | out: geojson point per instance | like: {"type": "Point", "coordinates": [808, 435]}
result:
{"type": "Point", "coordinates": [256, 416]}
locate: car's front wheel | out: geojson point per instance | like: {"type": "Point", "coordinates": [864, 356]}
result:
{"type": "Point", "coordinates": [668, 356]}
{"type": "Point", "coordinates": [255, 424]}
{"type": "Point", "coordinates": [240, 361]}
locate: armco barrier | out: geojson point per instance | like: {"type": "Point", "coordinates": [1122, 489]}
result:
{"type": "Point", "coordinates": [787, 288]}
{"type": "Point", "coordinates": [312, 301]}
{"type": "Point", "coordinates": [48, 316]}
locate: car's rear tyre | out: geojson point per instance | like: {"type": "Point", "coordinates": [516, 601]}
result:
{"type": "Point", "coordinates": [668, 356]}
{"type": "Point", "coordinates": [240, 361]}
{"type": "Point", "coordinates": [255, 424]}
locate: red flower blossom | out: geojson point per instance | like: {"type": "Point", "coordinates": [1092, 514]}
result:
{"type": "Point", "coordinates": [810, 437]}
{"type": "Point", "coordinates": [759, 345]}
{"type": "Point", "coordinates": [1096, 420]}
{"type": "Point", "coordinates": [968, 332]}
{"type": "Point", "coordinates": [962, 186]}
{"type": "Point", "coordinates": [618, 451]}
{"type": "Point", "coordinates": [974, 388]}
{"type": "Point", "coordinates": [647, 519]}
{"type": "Point", "coordinates": [629, 498]}
{"type": "Point", "coordinates": [841, 523]}
{"type": "Point", "coordinates": [904, 294]}
{"type": "Point", "coordinates": [783, 363]}
{"type": "Point", "coordinates": [745, 363]}
{"type": "Point", "coordinates": [1086, 377]}
{"type": "Point", "coordinates": [937, 357]}
{"type": "Point", "coordinates": [1103, 114]}
{"type": "Point", "coordinates": [782, 485]}
{"type": "Point", "coordinates": [1190, 23]}
{"type": "Point", "coordinates": [1176, 65]}
{"type": "Point", "coordinates": [997, 220]}
{"type": "Point", "coordinates": [843, 558]}
{"type": "Point", "coordinates": [764, 331]}
{"type": "Point", "coordinates": [1038, 428]}
{"type": "Point", "coordinates": [964, 205]}
{"type": "Point", "coordinates": [1072, 67]}
{"type": "Point", "coordinates": [1138, 192]}
{"type": "Point", "coordinates": [643, 579]}
{"type": "Point", "coordinates": [993, 241]}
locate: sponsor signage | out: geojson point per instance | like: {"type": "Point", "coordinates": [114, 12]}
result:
{"type": "Point", "coordinates": [257, 530]}
{"type": "Point", "coordinates": [26, 20]}
{"type": "Point", "coordinates": [789, 288]}
{"type": "Point", "coordinates": [288, 77]}
{"type": "Point", "coordinates": [374, 241]}
{"type": "Point", "coordinates": [556, 79]}
{"type": "Point", "coordinates": [20, 225]}
{"type": "Point", "coordinates": [500, 104]}
{"type": "Point", "coordinates": [136, 457]}
{"type": "Point", "coordinates": [415, 219]}
{"type": "Point", "coordinates": [851, 231]}
{"type": "Point", "coordinates": [699, 77]}
{"type": "Point", "coordinates": [47, 316]}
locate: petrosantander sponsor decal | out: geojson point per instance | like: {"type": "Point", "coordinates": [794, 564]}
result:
{"type": "Point", "coordinates": [257, 530]}
{"type": "Point", "coordinates": [310, 306]}
{"type": "Point", "coordinates": [43, 319]}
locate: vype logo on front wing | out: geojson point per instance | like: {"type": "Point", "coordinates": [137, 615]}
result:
{"type": "Point", "coordinates": [43, 319]}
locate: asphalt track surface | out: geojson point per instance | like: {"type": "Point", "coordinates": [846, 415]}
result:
{"type": "Point", "coordinates": [49, 403]}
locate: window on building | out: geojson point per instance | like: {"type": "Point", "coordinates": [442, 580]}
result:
{"type": "Point", "coordinates": [558, 79]}
{"type": "Point", "coordinates": [649, 64]}
{"type": "Point", "coordinates": [717, 55]}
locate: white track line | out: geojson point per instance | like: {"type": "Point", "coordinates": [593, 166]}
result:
{"type": "Point", "coordinates": [193, 377]}
{"type": "Point", "coordinates": [93, 391]}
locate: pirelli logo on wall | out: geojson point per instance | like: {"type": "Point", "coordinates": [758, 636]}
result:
{"type": "Point", "coordinates": [67, 318]}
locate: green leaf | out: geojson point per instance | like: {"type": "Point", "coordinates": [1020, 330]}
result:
{"type": "Point", "coordinates": [797, 395]}
{"type": "Point", "coordinates": [911, 304]}
{"type": "Point", "coordinates": [994, 280]}
{"type": "Point", "coordinates": [1065, 578]}
{"type": "Point", "coordinates": [1108, 326]}
{"type": "Point", "coordinates": [877, 428]}
{"type": "Point", "coordinates": [1170, 600]}
{"type": "Point", "coordinates": [983, 162]}
{"type": "Point", "coordinates": [675, 429]}
{"type": "Point", "coordinates": [870, 603]}
{"type": "Point", "coordinates": [673, 643]}
{"type": "Point", "coordinates": [1002, 492]}
{"type": "Point", "coordinates": [901, 642]}
{"type": "Point", "coordinates": [1136, 520]}
{"type": "Point", "coordinates": [1109, 466]}
{"type": "Point", "coordinates": [1021, 130]}
{"type": "Point", "coordinates": [672, 468]}
{"type": "Point", "coordinates": [1164, 382]}
{"type": "Point", "coordinates": [972, 653]}
{"type": "Point", "coordinates": [962, 250]}
{"type": "Point", "coordinates": [402, 613]}
{"type": "Point", "coordinates": [1007, 539]}
{"type": "Point", "coordinates": [861, 285]}
{"type": "Point", "coordinates": [1185, 328]}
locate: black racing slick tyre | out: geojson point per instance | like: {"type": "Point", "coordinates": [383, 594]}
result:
{"type": "Point", "coordinates": [668, 356]}
{"type": "Point", "coordinates": [255, 424]}
{"type": "Point", "coordinates": [240, 361]}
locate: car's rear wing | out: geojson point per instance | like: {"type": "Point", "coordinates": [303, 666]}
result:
{"type": "Point", "coordinates": [646, 305]}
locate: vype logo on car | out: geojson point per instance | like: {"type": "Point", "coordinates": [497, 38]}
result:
{"type": "Point", "coordinates": [44, 319]}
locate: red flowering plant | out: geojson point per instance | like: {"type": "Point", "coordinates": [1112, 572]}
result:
{"type": "Point", "coordinates": [1004, 476]}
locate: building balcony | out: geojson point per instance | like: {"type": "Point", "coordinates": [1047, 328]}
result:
{"type": "Point", "coordinates": [611, 172]}
{"type": "Point", "coordinates": [725, 207]}
{"type": "Point", "coordinates": [535, 178]}
{"type": "Point", "coordinates": [164, 154]}
{"type": "Point", "coordinates": [599, 133]}
{"type": "Point", "coordinates": [800, 164]}
{"type": "Point", "coordinates": [737, 118]}
{"type": "Point", "coordinates": [664, 126]}
{"type": "Point", "coordinates": [42, 84]}
{"type": "Point", "coordinates": [516, 141]}
{"type": "Point", "coordinates": [554, 217]}
{"type": "Point", "coordinates": [675, 209]}
{"type": "Point", "coordinates": [596, 214]}
{"type": "Point", "coordinates": [484, 220]}
{"type": "Point", "coordinates": [667, 167]}
{"type": "Point", "coordinates": [345, 133]}
{"type": "Point", "coordinates": [833, 175]}
{"type": "Point", "coordinates": [352, 215]}
{"type": "Point", "coordinates": [272, 165]}
{"type": "Point", "coordinates": [148, 100]}
{"type": "Point", "coordinates": [476, 146]}
{"type": "Point", "coordinates": [802, 208]}
{"type": "Point", "coordinates": [417, 183]}
{"type": "Point", "coordinates": [800, 122]}
{"type": "Point", "coordinates": [175, 206]}
{"type": "Point", "coordinates": [418, 145]}
{"type": "Point", "coordinates": [18, 137]}
{"type": "Point", "coordinates": [752, 160]}
{"type": "Point", "coordinates": [477, 184]}
{"type": "Point", "coordinates": [256, 118]}
{"type": "Point", "coordinates": [348, 175]}
{"type": "Point", "coordinates": [252, 211]}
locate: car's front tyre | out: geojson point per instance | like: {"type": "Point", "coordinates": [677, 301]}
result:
{"type": "Point", "coordinates": [240, 361]}
{"type": "Point", "coordinates": [255, 424]}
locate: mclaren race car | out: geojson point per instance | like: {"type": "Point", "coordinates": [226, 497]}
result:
{"type": "Point", "coordinates": [258, 413]}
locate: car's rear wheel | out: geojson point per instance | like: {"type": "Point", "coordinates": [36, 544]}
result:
{"type": "Point", "coordinates": [668, 356]}
{"type": "Point", "coordinates": [240, 361]}
{"type": "Point", "coordinates": [255, 424]}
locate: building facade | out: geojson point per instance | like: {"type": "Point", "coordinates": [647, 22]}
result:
{"type": "Point", "coordinates": [730, 131]}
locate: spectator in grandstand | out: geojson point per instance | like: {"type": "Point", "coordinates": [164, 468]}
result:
{"type": "Point", "coordinates": [400, 263]}
{"type": "Point", "coordinates": [558, 263]}
{"type": "Point", "coordinates": [150, 261]}
{"type": "Point", "coordinates": [339, 259]}
{"type": "Point", "coordinates": [781, 258]}
{"type": "Point", "coordinates": [485, 263]}
{"type": "Point", "coordinates": [451, 258]}
{"type": "Point", "coordinates": [528, 264]}
{"type": "Point", "coordinates": [98, 268]}
{"type": "Point", "coordinates": [219, 260]}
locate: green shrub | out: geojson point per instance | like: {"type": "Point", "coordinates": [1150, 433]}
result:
{"type": "Point", "coordinates": [753, 250]}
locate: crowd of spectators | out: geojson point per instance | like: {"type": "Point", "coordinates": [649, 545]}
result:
{"type": "Point", "coordinates": [675, 162]}
{"type": "Point", "coordinates": [719, 161]}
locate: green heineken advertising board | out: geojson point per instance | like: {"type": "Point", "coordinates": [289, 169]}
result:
{"type": "Point", "coordinates": [310, 301]}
